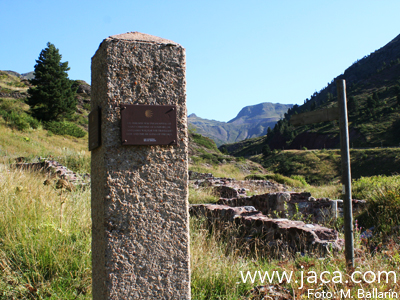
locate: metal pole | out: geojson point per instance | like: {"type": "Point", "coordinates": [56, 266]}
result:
{"type": "Point", "coordinates": [346, 174]}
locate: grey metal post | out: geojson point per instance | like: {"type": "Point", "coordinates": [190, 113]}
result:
{"type": "Point", "coordinates": [346, 174]}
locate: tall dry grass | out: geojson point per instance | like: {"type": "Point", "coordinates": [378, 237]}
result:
{"type": "Point", "coordinates": [45, 238]}
{"type": "Point", "coordinates": [39, 142]}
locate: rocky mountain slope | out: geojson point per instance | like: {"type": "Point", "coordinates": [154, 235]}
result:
{"type": "Point", "coordinates": [26, 76]}
{"type": "Point", "coordinates": [251, 121]}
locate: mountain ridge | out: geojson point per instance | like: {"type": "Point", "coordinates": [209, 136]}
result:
{"type": "Point", "coordinates": [27, 76]}
{"type": "Point", "coordinates": [251, 121]}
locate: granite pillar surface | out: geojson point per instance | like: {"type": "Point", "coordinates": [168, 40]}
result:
{"type": "Point", "coordinates": [140, 219]}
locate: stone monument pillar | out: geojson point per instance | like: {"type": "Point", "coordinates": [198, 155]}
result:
{"type": "Point", "coordinates": [138, 138]}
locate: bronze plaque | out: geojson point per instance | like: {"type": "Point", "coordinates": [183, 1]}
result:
{"type": "Point", "coordinates": [148, 124]}
{"type": "Point", "coordinates": [94, 129]}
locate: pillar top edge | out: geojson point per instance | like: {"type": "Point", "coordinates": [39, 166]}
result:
{"type": "Point", "coordinates": [141, 37]}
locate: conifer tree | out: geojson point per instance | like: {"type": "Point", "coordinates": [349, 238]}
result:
{"type": "Point", "coordinates": [352, 104]}
{"type": "Point", "coordinates": [52, 96]}
{"type": "Point", "coordinates": [266, 150]}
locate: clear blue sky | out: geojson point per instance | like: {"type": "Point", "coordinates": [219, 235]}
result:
{"type": "Point", "coordinates": [238, 53]}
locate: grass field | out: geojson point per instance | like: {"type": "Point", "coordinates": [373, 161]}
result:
{"type": "Point", "coordinates": [45, 240]}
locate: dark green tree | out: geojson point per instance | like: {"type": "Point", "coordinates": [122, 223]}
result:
{"type": "Point", "coordinates": [266, 150]}
{"type": "Point", "coordinates": [375, 96]}
{"type": "Point", "coordinates": [371, 103]}
{"type": "Point", "coordinates": [329, 97]}
{"type": "Point", "coordinates": [52, 96]}
{"type": "Point", "coordinates": [352, 104]}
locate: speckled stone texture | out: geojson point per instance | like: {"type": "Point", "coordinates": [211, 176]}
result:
{"type": "Point", "coordinates": [140, 211]}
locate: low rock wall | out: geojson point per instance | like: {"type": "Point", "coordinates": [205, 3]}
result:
{"type": "Point", "coordinates": [274, 233]}
{"type": "Point", "coordinates": [15, 95]}
{"type": "Point", "coordinates": [289, 204]}
{"type": "Point", "coordinates": [56, 169]}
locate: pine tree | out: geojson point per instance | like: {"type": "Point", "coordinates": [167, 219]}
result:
{"type": "Point", "coordinates": [52, 96]}
{"type": "Point", "coordinates": [371, 103]}
{"type": "Point", "coordinates": [352, 104]}
{"type": "Point", "coordinates": [375, 97]}
{"type": "Point", "coordinates": [266, 150]}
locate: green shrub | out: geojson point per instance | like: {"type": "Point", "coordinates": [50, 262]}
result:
{"type": "Point", "coordinates": [196, 159]}
{"type": "Point", "coordinates": [383, 197]}
{"type": "Point", "coordinates": [295, 181]}
{"type": "Point", "coordinates": [20, 121]}
{"type": "Point", "coordinates": [284, 180]}
{"type": "Point", "coordinates": [5, 90]}
{"type": "Point", "coordinates": [65, 128]}
{"type": "Point", "coordinates": [16, 84]}
{"type": "Point", "coordinates": [34, 123]}
{"type": "Point", "coordinates": [300, 178]}
{"type": "Point", "coordinates": [13, 113]}
{"type": "Point", "coordinates": [204, 141]}
{"type": "Point", "coordinates": [3, 113]}
{"type": "Point", "coordinates": [212, 158]}
{"type": "Point", "coordinates": [16, 120]}
{"type": "Point", "coordinates": [266, 151]}
{"type": "Point", "coordinates": [10, 105]}
{"type": "Point", "coordinates": [255, 177]}
{"type": "Point", "coordinates": [78, 163]}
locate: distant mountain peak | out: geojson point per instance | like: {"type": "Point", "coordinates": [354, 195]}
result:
{"type": "Point", "coordinates": [251, 121]}
{"type": "Point", "coordinates": [28, 75]}
{"type": "Point", "coordinates": [261, 110]}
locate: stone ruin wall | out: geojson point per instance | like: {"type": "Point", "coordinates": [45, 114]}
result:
{"type": "Point", "coordinates": [288, 204]}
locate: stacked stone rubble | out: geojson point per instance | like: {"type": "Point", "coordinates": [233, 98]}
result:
{"type": "Point", "coordinates": [275, 233]}
{"type": "Point", "coordinates": [56, 169]}
{"type": "Point", "coordinates": [291, 204]}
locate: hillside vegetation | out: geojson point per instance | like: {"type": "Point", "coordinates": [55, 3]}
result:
{"type": "Point", "coordinates": [204, 157]}
{"type": "Point", "coordinates": [324, 166]}
{"type": "Point", "coordinates": [373, 95]}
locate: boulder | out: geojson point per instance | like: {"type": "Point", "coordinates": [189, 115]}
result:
{"type": "Point", "coordinates": [84, 89]}
{"type": "Point", "coordinates": [226, 191]}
